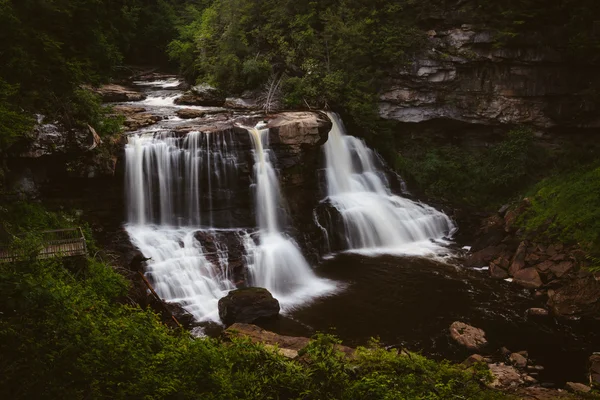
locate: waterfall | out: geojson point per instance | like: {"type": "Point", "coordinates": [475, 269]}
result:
{"type": "Point", "coordinates": [371, 218]}
{"type": "Point", "coordinates": [276, 263]}
{"type": "Point", "coordinates": [171, 185]}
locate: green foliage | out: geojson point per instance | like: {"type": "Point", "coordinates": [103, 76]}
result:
{"type": "Point", "coordinates": [567, 207]}
{"type": "Point", "coordinates": [332, 53]}
{"type": "Point", "coordinates": [485, 178]}
{"type": "Point", "coordinates": [13, 122]}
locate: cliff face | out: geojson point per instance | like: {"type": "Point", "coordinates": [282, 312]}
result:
{"type": "Point", "coordinates": [465, 76]}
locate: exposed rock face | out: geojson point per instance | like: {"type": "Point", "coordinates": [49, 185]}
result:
{"type": "Point", "coordinates": [468, 336]}
{"type": "Point", "coordinates": [202, 95]}
{"type": "Point", "coordinates": [465, 77]}
{"type": "Point", "coordinates": [117, 93]}
{"type": "Point", "coordinates": [247, 305]}
{"type": "Point", "coordinates": [52, 139]}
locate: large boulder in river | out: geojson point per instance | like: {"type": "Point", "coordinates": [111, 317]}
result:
{"type": "Point", "coordinates": [247, 305]}
{"type": "Point", "coordinates": [468, 336]}
{"type": "Point", "coordinates": [116, 93]}
{"type": "Point", "coordinates": [202, 95]}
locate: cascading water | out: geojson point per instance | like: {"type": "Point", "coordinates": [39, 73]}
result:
{"type": "Point", "coordinates": [169, 180]}
{"type": "Point", "coordinates": [374, 219]}
{"type": "Point", "coordinates": [276, 263]}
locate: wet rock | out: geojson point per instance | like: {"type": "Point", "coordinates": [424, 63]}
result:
{"type": "Point", "coordinates": [538, 312]}
{"type": "Point", "coordinates": [473, 359]}
{"type": "Point", "coordinates": [468, 336]}
{"type": "Point", "coordinates": [189, 113]}
{"type": "Point", "coordinates": [202, 95]}
{"type": "Point", "coordinates": [577, 387]}
{"type": "Point", "coordinates": [505, 376]}
{"type": "Point", "coordinates": [484, 257]}
{"type": "Point", "coordinates": [562, 268]}
{"type": "Point", "coordinates": [579, 297]}
{"type": "Point", "coordinates": [116, 93]}
{"type": "Point", "coordinates": [497, 272]}
{"type": "Point", "coordinates": [529, 278]}
{"type": "Point", "coordinates": [247, 305]}
{"type": "Point", "coordinates": [518, 262]}
{"type": "Point", "coordinates": [595, 369]}
{"type": "Point", "coordinates": [518, 360]}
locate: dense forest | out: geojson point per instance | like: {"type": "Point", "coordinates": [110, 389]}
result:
{"type": "Point", "coordinates": [69, 330]}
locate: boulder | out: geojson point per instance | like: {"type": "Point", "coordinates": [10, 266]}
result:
{"type": "Point", "coordinates": [473, 359]}
{"type": "Point", "coordinates": [577, 387]}
{"type": "Point", "coordinates": [116, 93]}
{"type": "Point", "coordinates": [595, 369]}
{"type": "Point", "coordinates": [518, 360]}
{"type": "Point", "coordinates": [190, 113]}
{"type": "Point", "coordinates": [544, 266]}
{"type": "Point", "coordinates": [579, 297]}
{"type": "Point", "coordinates": [247, 305]}
{"type": "Point", "coordinates": [505, 376]}
{"type": "Point", "coordinates": [297, 129]}
{"type": "Point", "coordinates": [468, 336]}
{"type": "Point", "coordinates": [529, 278]}
{"type": "Point", "coordinates": [202, 95]}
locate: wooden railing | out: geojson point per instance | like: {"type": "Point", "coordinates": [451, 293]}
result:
{"type": "Point", "coordinates": [55, 243]}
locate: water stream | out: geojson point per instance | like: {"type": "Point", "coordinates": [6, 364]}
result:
{"type": "Point", "coordinates": [373, 219]}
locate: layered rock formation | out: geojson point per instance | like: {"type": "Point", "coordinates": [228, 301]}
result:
{"type": "Point", "coordinates": [466, 76]}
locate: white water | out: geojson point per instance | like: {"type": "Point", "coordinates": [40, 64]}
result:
{"type": "Point", "coordinates": [179, 271]}
{"type": "Point", "coordinates": [374, 219]}
{"type": "Point", "coordinates": [168, 181]}
{"type": "Point", "coordinates": [276, 263]}
{"type": "Point", "coordinates": [169, 83]}
{"type": "Point", "coordinates": [168, 177]}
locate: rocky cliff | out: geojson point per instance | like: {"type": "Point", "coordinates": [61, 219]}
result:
{"type": "Point", "coordinates": [466, 76]}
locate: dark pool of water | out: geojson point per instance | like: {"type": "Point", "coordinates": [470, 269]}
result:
{"type": "Point", "coordinates": [413, 301]}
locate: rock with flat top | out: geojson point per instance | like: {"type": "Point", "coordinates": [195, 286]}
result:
{"type": "Point", "coordinates": [112, 93]}
{"type": "Point", "coordinates": [247, 305]}
{"type": "Point", "coordinates": [468, 336]}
